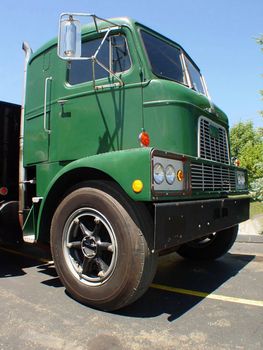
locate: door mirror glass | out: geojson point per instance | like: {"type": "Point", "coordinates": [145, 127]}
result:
{"type": "Point", "coordinates": [69, 39]}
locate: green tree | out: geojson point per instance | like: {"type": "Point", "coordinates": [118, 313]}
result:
{"type": "Point", "coordinates": [247, 145]}
{"type": "Point", "coordinates": [260, 42]}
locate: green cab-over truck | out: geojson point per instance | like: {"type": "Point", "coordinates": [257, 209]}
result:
{"type": "Point", "coordinates": [123, 156]}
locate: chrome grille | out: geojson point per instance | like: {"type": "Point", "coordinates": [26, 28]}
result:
{"type": "Point", "coordinates": [212, 177]}
{"type": "Point", "coordinates": [213, 143]}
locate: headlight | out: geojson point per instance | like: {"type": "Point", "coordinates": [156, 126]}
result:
{"type": "Point", "coordinates": [158, 173]}
{"type": "Point", "coordinates": [241, 179]}
{"type": "Point", "coordinates": [170, 174]}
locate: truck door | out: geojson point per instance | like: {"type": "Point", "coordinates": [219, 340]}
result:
{"type": "Point", "coordinates": [38, 110]}
{"type": "Point", "coordinates": [99, 116]}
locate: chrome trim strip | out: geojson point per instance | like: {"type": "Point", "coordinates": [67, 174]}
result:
{"type": "Point", "coordinates": [45, 105]}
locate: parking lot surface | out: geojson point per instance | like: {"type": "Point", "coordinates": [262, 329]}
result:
{"type": "Point", "coordinates": [215, 305]}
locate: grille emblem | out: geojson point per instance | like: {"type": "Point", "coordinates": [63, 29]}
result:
{"type": "Point", "coordinates": [214, 132]}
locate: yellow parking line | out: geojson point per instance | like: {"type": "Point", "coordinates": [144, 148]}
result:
{"type": "Point", "coordinates": [17, 252]}
{"type": "Point", "coordinates": [162, 287]}
{"type": "Point", "coordinates": [207, 295]}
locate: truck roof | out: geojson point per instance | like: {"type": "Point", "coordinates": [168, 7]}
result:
{"type": "Point", "coordinates": [90, 27]}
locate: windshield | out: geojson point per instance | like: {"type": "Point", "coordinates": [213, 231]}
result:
{"type": "Point", "coordinates": [195, 76]}
{"type": "Point", "coordinates": [167, 62]}
{"type": "Point", "coordinates": [164, 58]}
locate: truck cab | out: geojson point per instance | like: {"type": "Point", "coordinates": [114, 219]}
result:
{"type": "Point", "coordinates": [125, 157]}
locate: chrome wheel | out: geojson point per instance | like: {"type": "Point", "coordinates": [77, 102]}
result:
{"type": "Point", "coordinates": [98, 246]}
{"type": "Point", "coordinates": [90, 246]}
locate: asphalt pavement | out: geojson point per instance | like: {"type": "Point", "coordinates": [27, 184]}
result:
{"type": "Point", "coordinates": [215, 305]}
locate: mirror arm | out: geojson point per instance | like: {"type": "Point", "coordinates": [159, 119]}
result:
{"type": "Point", "coordinates": [102, 42]}
{"type": "Point", "coordinates": [95, 18]}
{"type": "Point", "coordinates": [95, 60]}
{"type": "Point", "coordinates": [93, 73]}
{"type": "Point", "coordinates": [95, 22]}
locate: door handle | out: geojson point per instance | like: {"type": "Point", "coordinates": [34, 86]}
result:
{"type": "Point", "coordinates": [62, 102]}
{"type": "Point", "coordinates": [47, 80]}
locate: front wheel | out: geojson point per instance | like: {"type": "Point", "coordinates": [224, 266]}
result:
{"type": "Point", "coordinates": [211, 247]}
{"type": "Point", "coordinates": [100, 249]}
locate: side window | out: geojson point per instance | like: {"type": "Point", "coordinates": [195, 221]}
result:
{"type": "Point", "coordinates": [195, 76]}
{"type": "Point", "coordinates": [113, 54]}
{"type": "Point", "coordinates": [81, 71]}
{"type": "Point", "coordinates": [120, 55]}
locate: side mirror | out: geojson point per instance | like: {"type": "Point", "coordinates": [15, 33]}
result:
{"type": "Point", "coordinates": [69, 38]}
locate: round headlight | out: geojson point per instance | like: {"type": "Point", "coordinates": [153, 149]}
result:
{"type": "Point", "coordinates": [170, 174]}
{"type": "Point", "coordinates": [158, 173]}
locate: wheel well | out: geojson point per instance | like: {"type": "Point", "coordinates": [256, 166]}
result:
{"type": "Point", "coordinates": [59, 190]}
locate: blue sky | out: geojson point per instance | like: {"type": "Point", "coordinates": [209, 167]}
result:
{"type": "Point", "coordinates": [218, 35]}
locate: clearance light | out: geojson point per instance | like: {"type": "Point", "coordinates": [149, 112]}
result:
{"type": "Point", "coordinates": [144, 139]}
{"type": "Point", "coordinates": [137, 186]}
{"type": "Point", "coordinates": [3, 191]}
{"type": "Point", "coordinates": [237, 162]}
{"type": "Point", "coordinates": [180, 175]}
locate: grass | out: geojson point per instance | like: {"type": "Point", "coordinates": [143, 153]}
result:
{"type": "Point", "coordinates": [256, 208]}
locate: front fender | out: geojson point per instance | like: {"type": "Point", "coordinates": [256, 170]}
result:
{"type": "Point", "coordinates": [122, 166]}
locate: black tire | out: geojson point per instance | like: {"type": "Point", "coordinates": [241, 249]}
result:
{"type": "Point", "coordinates": [100, 248]}
{"type": "Point", "coordinates": [10, 229]}
{"type": "Point", "coordinates": [211, 247]}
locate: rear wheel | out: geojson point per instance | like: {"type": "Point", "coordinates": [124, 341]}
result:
{"type": "Point", "coordinates": [100, 247]}
{"type": "Point", "coordinates": [211, 247]}
{"type": "Point", "coordinates": [10, 229]}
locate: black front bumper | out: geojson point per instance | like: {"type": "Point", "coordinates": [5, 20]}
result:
{"type": "Point", "coordinates": [181, 222]}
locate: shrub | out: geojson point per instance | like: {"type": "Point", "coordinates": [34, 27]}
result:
{"type": "Point", "coordinates": [256, 190]}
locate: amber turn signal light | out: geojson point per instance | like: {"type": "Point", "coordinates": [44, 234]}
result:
{"type": "Point", "coordinates": [180, 175]}
{"type": "Point", "coordinates": [137, 186]}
